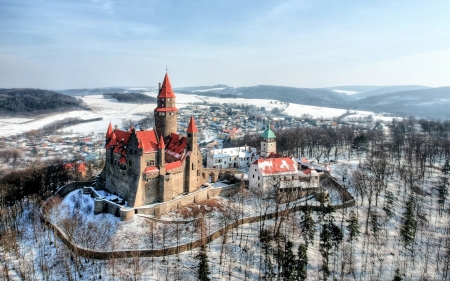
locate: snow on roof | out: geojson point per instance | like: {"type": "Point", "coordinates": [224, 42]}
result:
{"type": "Point", "coordinates": [271, 166]}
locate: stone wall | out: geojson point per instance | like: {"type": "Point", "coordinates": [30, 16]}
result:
{"type": "Point", "coordinates": [166, 207]}
{"type": "Point", "coordinates": [184, 247]}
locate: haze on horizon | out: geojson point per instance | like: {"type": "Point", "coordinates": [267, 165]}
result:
{"type": "Point", "coordinates": [102, 43]}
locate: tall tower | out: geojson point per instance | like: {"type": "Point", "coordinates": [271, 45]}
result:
{"type": "Point", "coordinates": [268, 143]}
{"type": "Point", "coordinates": [193, 159]}
{"type": "Point", "coordinates": [166, 114]}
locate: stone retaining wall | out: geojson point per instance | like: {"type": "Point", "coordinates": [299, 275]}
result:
{"type": "Point", "coordinates": [188, 246]}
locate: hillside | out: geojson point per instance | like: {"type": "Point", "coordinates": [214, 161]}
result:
{"type": "Point", "coordinates": [428, 103]}
{"type": "Point", "coordinates": [26, 102]}
{"type": "Point", "coordinates": [317, 97]}
{"type": "Point", "coordinates": [388, 90]}
{"type": "Point", "coordinates": [90, 92]}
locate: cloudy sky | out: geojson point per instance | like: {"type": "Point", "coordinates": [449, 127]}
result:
{"type": "Point", "coordinates": [57, 44]}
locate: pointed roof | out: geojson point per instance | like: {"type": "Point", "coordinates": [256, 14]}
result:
{"type": "Point", "coordinates": [110, 131]}
{"type": "Point", "coordinates": [192, 128]}
{"type": "Point", "coordinates": [268, 133]}
{"type": "Point", "coordinates": [166, 89]}
{"type": "Point", "coordinates": [161, 143]}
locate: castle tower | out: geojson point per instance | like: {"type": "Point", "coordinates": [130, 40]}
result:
{"type": "Point", "coordinates": [193, 159]}
{"type": "Point", "coordinates": [166, 114]}
{"type": "Point", "coordinates": [161, 152]}
{"type": "Point", "coordinates": [268, 143]}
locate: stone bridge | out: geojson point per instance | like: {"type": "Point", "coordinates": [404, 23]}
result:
{"type": "Point", "coordinates": [215, 174]}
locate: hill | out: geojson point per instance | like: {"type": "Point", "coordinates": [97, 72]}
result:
{"type": "Point", "coordinates": [90, 92]}
{"type": "Point", "coordinates": [130, 97]}
{"type": "Point", "coordinates": [318, 97]}
{"type": "Point", "coordinates": [388, 90]}
{"type": "Point", "coordinates": [26, 102]}
{"type": "Point", "coordinates": [428, 103]}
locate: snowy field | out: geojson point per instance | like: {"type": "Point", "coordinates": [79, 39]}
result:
{"type": "Point", "coordinates": [114, 111]}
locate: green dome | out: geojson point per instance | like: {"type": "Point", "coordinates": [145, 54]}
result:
{"type": "Point", "coordinates": [268, 133]}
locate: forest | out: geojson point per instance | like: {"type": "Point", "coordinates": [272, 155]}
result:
{"type": "Point", "coordinates": [27, 102]}
{"type": "Point", "coordinates": [397, 230]}
{"type": "Point", "coordinates": [130, 97]}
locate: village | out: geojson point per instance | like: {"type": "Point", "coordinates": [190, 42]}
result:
{"type": "Point", "coordinates": [220, 126]}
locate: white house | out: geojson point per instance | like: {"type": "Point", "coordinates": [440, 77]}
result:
{"type": "Point", "coordinates": [280, 173]}
{"type": "Point", "coordinates": [234, 157]}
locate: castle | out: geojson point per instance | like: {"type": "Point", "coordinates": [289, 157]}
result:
{"type": "Point", "coordinates": [150, 166]}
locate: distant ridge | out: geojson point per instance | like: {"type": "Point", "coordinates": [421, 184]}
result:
{"type": "Point", "coordinates": [391, 89]}
{"type": "Point", "coordinates": [27, 102]}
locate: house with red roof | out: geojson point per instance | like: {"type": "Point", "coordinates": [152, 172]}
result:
{"type": "Point", "coordinates": [274, 172]}
{"type": "Point", "coordinates": [149, 166]}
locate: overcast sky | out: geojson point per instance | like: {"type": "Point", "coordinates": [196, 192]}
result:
{"type": "Point", "coordinates": [56, 44]}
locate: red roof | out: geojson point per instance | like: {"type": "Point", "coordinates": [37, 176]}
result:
{"type": "Point", "coordinates": [123, 160]}
{"type": "Point", "coordinates": [166, 89]}
{"type": "Point", "coordinates": [161, 143]}
{"type": "Point", "coordinates": [151, 170]}
{"type": "Point", "coordinates": [272, 166]}
{"type": "Point", "coordinates": [192, 128]}
{"type": "Point", "coordinates": [173, 165]}
{"type": "Point", "coordinates": [147, 140]}
{"type": "Point", "coordinates": [109, 132]}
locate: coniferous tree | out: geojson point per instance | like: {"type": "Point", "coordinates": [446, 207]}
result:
{"type": "Point", "coordinates": [203, 267]}
{"type": "Point", "coordinates": [302, 262]}
{"type": "Point", "coordinates": [308, 227]}
{"type": "Point", "coordinates": [389, 204]}
{"type": "Point", "coordinates": [353, 227]}
{"type": "Point", "coordinates": [443, 187]}
{"type": "Point", "coordinates": [375, 224]}
{"type": "Point", "coordinates": [288, 262]}
{"type": "Point", "coordinates": [408, 229]}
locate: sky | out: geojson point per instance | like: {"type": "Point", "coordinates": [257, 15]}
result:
{"type": "Point", "coordinates": [62, 44]}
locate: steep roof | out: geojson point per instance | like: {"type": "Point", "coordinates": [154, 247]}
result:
{"type": "Point", "coordinates": [268, 133]}
{"type": "Point", "coordinates": [109, 132]}
{"type": "Point", "coordinates": [166, 89]}
{"type": "Point", "coordinates": [192, 128]}
{"type": "Point", "coordinates": [161, 143]}
{"type": "Point", "coordinates": [272, 166]}
{"type": "Point", "coordinates": [147, 139]}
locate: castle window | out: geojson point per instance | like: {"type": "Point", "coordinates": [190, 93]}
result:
{"type": "Point", "coordinates": [129, 163]}
{"type": "Point", "coordinates": [253, 176]}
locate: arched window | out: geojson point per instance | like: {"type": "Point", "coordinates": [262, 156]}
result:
{"type": "Point", "coordinates": [129, 162]}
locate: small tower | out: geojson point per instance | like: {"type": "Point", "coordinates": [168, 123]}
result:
{"type": "Point", "coordinates": [268, 143]}
{"type": "Point", "coordinates": [161, 152]}
{"type": "Point", "coordinates": [193, 159]}
{"type": "Point", "coordinates": [166, 114]}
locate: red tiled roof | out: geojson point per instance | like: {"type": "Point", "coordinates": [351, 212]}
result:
{"type": "Point", "coordinates": [272, 166]}
{"type": "Point", "coordinates": [151, 170]}
{"type": "Point", "coordinates": [109, 132]}
{"type": "Point", "coordinates": [173, 165]}
{"type": "Point", "coordinates": [147, 140]}
{"type": "Point", "coordinates": [165, 109]}
{"type": "Point", "coordinates": [161, 143]}
{"type": "Point", "coordinates": [192, 128]}
{"type": "Point", "coordinates": [166, 89]}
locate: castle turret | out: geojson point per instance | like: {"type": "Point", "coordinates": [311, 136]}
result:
{"type": "Point", "coordinates": [161, 152]}
{"type": "Point", "coordinates": [268, 142]}
{"type": "Point", "coordinates": [193, 158]}
{"type": "Point", "coordinates": [166, 114]}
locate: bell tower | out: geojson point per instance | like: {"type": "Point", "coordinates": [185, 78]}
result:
{"type": "Point", "coordinates": [268, 142]}
{"type": "Point", "coordinates": [166, 114]}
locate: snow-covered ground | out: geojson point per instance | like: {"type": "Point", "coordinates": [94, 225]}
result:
{"type": "Point", "coordinates": [114, 111]}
